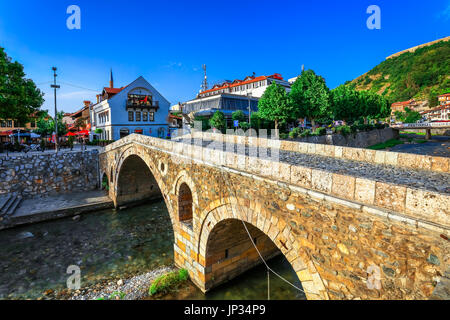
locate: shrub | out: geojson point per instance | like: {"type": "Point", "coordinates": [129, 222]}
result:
{"type": "Point", "coordinates": [320, 131]}
{"type": "Point", "coordinates": [344, 130]}
{"type": "Point", "coordinates": [164, 283]}
{"type": "Point", "coordinates": [283, 135]}
{"type": "Point", "coordinates": [294, 133]}
{"type": "Point", "coordinates": [305, 133]}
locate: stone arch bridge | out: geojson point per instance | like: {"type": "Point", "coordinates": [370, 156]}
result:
{"type": "Point", "coordinates": [368, 225]}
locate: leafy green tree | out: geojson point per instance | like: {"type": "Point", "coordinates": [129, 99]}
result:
{"type": "Point", "coordinates": [239, 115]}
{"type": "Point", "coordinates": [46, 124]}
{"type": "Point", "coordinates": [275, 105]}
{"type": "Point", "coordinates": [344, 102]}
{"type": "Point", "coordinates": [204, 120]}
{"type": "Point", "coordinates": [19, 97]}
{"type": "Point", "coordinates": [218, 121]}
{"type": "Point", "coordinates": [310, 96]}
{"type": "Point", "coordinates": [408, 116]}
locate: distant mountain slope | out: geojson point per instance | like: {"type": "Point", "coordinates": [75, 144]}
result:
{"type": "Point", "coordinates": [421, 73]}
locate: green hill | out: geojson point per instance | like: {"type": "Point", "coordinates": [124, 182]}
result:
{"type": "Point", "coordinates": [422, 75]}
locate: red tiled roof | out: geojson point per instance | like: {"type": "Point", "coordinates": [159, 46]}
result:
{"type": "Point", "coordinates": [237, 83]}
{"type": "Point", "coordinates": [112, 90]}
{"type": "Point", "coordinates": [403, 103]}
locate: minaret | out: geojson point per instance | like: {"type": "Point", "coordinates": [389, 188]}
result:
{"type": "Point", "coordinates": [111, 80]}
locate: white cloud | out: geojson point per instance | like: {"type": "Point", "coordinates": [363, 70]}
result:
{"type": "Point", "coordinates": [74, 94]}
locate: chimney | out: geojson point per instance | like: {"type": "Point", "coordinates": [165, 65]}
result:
{"type": "Point", "coordinates": [98, 98]}
{"type": "Point", "coordinates": [111, 80]}
{"type": "Point", "coordinates": [86, 103]}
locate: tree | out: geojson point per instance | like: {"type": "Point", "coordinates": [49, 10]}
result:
{"type": "Point", "coordinates": [310, 96]}
{"type": "Point", "coordinates": [238, 115]}
{"type": "Point", "coordinates": [409, 116]}
{"type": "Point", "coordinates": [275, 105]}
{"type": "Point", "coordinates": [344, 102]}
{"type": "Point", "coordinates": [46, 124]}
{"type": "Point", "coordinates": [204, 121]}
{"type": "Point", "coordinates": [218, 121]}
{"type": "Point", "coordinates": [373, 105]}
{"type": "Point", "coordinates": [19, 97]}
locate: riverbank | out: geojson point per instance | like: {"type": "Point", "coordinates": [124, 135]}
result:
{"type": "Point", "coordinates": [56, 207]}
{"type": "Point", "coordinates": [134, 288]}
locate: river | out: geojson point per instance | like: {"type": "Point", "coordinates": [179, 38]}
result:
{"type": "Point", "coordinates": [109, 245]}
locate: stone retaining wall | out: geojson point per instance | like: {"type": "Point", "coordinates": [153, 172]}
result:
{"type": "Point", "coordinates": [357, 140]}
{"type": "Point", "coordinates": [35, 175]}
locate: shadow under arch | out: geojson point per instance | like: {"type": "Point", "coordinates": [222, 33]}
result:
{"type": "Point", "coordinates": [276, 230]}
{"type": "Point", "coordinates": [137, 179]}
{"type": "Point", "coordinates": [230, 253]}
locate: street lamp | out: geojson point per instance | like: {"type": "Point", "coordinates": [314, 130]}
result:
{"type": "Point", "coordinates": [55, 86]}
{"type": "Point", "coordinates": [249, 95]}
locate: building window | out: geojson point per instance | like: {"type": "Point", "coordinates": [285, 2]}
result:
{"type": "Point", "coordinates": [33, 124]}
{"type": "Point", "coordinates": [130, 116]}
{"type": "Point", "coordinates": [151, 116]}
{"type": "Point", "coordinates": [10, 123]}
{"type": "Point", "coordinates": [3, 124]}
{"type": "Point", "coordinates": [124, 132]}
{"type": "Point", "coordinates": [138, 116]}
{"type": "Point", "coordinates": [145, 116]}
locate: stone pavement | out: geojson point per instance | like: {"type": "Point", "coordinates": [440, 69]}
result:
{"type": "Point", "coordinates": [59, 206]}
{"type": "Point", "coordinates": [76, 148]}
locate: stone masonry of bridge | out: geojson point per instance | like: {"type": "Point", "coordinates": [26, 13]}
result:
{"type": "Point", "coordinates": [337, 230]}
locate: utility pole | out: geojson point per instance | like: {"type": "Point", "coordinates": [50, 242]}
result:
{"type": "Point", "coordinates": [55, 86]}
{"type": "Point", "coordinates": [249, 94]}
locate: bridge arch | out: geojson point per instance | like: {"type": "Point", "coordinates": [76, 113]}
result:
{"type": "Point", "coordinates": [259, 223]}
{"type": "Point", "coordinates": [136, 177]}
{"type": "Point", "coordinates": [186, 194]}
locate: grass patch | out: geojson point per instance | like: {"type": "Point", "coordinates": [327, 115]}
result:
{"type": "Point", "coordinates": [387, 144]}
{"type": "Point", "coordinates": [420, 141]}
{"type": "Point", "coordinates": [163, 284]}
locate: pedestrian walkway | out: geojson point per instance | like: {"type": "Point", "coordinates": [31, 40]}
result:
{"type": "Point", "coordinates": [58, 206]}
{"type": "Point", "coordinates": [76, 148]}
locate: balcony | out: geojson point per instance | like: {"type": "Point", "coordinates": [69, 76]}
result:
{"type": "Point", "coordinates": [141, 102]}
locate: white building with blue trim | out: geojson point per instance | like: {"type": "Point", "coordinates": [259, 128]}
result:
{"type": "Point", "coordinates": [136, 108]}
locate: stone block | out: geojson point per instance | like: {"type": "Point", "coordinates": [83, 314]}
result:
{"type": "Point", "coordinates": [440, 164]}
{"type": "Point", "coordinates": [414, 161]}
{"type": "Point", "coordinates": [390, 196]}
{"type": "Point", "coordinates": [321, 180]}
{"type": "Point", "coordinates": [343, 186]}
{"type": "Point", "coordinates": [365, 191]}
{"type": "Point", "coordinates": [301, 176]}
{"type": "Point", "coordinates": [428, 205]}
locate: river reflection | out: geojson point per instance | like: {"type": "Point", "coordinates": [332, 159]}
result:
{"type": "Point", "coordinates": [106, 245]}
{"type": "Point", "coordinates": [110, 245]}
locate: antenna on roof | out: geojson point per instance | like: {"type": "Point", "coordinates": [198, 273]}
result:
{"type": "Point", "coordinates": [205, 80]}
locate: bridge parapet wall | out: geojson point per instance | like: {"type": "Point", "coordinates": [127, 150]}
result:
{"type": "Point", "coordinates": [412, 205]}
{"type": "Point", "coordinates": [398, 159]}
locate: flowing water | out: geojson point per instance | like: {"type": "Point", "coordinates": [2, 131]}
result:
{"type": "Point", "coordinates": [109, 245]}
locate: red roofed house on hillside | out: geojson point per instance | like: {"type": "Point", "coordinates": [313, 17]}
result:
{"type": "Point", "coordinates": [444, 99]}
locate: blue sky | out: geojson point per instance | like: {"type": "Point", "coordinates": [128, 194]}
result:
{"type": "Point", "coordinates": [168, 41]}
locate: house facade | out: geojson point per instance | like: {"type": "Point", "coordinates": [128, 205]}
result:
{"type": "Point", "coordinates": [231, 96]}
{"type": "Point", "coordinates": [136, 108]}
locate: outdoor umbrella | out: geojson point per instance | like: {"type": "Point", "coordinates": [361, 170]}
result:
{"type": "Point", "coordinates": [83, 133]}
{"type": "Point", "coordinates": [34, 135]}
{"type": "Point", "coordinates": [70, 134]}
